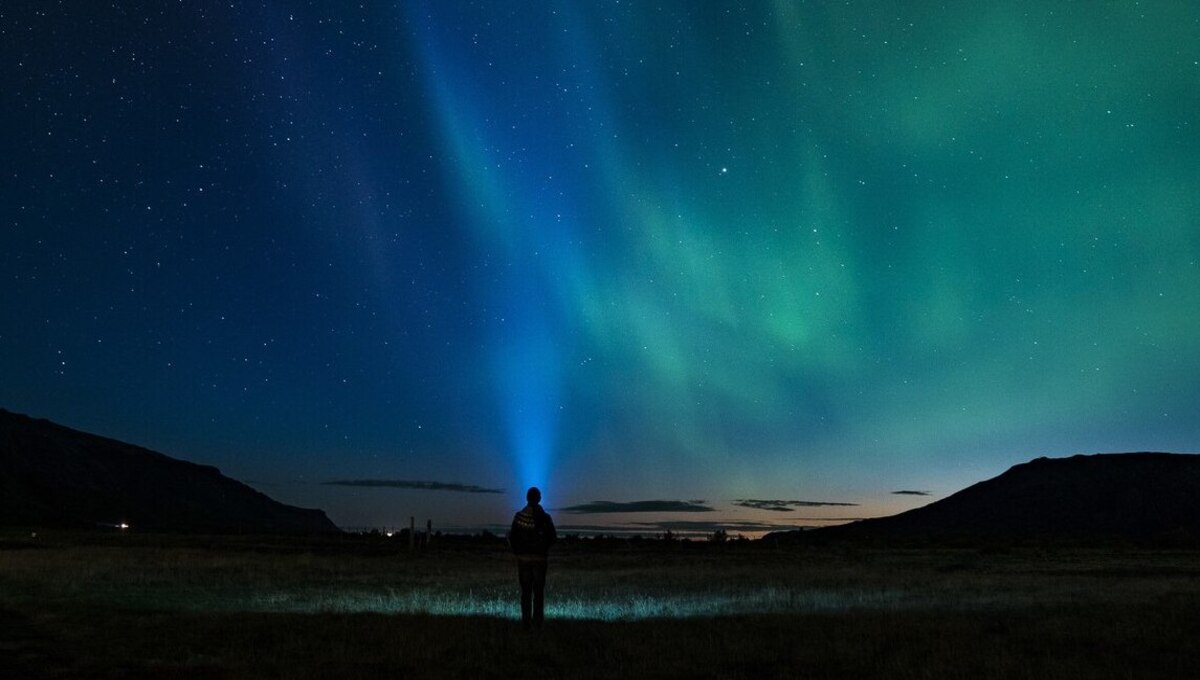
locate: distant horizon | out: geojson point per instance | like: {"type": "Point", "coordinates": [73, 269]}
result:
{"type": "Point", "coordinates": [652, 518]}
{"type": "Point", "coordinates": [647, 524]}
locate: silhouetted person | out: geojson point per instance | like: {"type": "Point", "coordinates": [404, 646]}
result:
{"type": "Point", "coordinates": [531, 537]}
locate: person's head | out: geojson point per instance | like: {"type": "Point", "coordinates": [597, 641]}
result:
{"type": "Point", "coordinates": [533, 496]}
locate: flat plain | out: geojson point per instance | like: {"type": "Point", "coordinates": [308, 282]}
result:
{"type": "Point", "coordinates": [129, 605]}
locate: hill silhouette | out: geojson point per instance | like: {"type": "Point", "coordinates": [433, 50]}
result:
{"type": "Point", "coordinates": [1133, 497]}
{"type": "Point", "coordinates": [54, 476]}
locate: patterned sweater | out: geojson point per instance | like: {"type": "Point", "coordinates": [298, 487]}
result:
{"type": "Point", "coordinates": [532, 533]}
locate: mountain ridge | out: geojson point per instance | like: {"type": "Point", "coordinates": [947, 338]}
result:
{"type": "Point", "coordinates": [1144, 496]}
{"type": "Point", "coordinates": [56, 476]}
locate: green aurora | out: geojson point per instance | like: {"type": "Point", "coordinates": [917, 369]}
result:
{"type": "Point", "coordinates": [853, 247]}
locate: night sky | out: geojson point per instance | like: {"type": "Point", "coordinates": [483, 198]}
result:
{"type": "Point", "coordinates": [764, 258]}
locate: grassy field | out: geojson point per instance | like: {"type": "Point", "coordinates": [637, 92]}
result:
{"type": "Point", "coordinates": [145, 606]}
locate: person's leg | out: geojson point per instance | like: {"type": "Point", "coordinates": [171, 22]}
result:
{"type": "Point", "coordinates": [526, 577]}
{"type": "Point", "coordinates": [539, 593]}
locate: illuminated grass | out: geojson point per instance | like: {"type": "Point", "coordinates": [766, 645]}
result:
{"type": "Point", "coordinates": [502, 604]}
{"type": "Point", "coordinates": [476, 584]}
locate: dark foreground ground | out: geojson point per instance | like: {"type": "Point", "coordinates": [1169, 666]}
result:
{"type": "Point", "coordinates": [144, 606]}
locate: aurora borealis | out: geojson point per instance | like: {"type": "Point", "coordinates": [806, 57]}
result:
{"type": "Point", "coordinates": [626, 251]}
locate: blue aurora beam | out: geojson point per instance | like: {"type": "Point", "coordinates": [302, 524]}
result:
{"type": "Point", "coordinates": [509, 165]}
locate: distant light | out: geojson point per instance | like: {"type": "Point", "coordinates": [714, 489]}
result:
{"type": "Point", "coordinates": [389, 534]}
{"type": "Point", "coordinates": [122, 526]}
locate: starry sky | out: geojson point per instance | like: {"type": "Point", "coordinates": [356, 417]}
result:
{"type": "Point", "coordinates": [761, 262]}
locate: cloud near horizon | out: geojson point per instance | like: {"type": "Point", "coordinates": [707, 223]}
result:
{"type": "Point", "coordinates": [410, 484]}
{"type": "Point", "coordinates": [682, 527]}
{"type": "Point", "coordinates": [786, 506]}
{"type": "Point", "coordinates": [831, 519]}
{"type": "Point", "coordinates": [911, 492]}
{"type": "Point", "coordinates": [708, 527]}
{"type": "Point", "coordinates": [596, 507]}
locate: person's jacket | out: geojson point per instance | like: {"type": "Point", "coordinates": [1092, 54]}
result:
{"type": "Point", "coordinates": [532, 533]}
